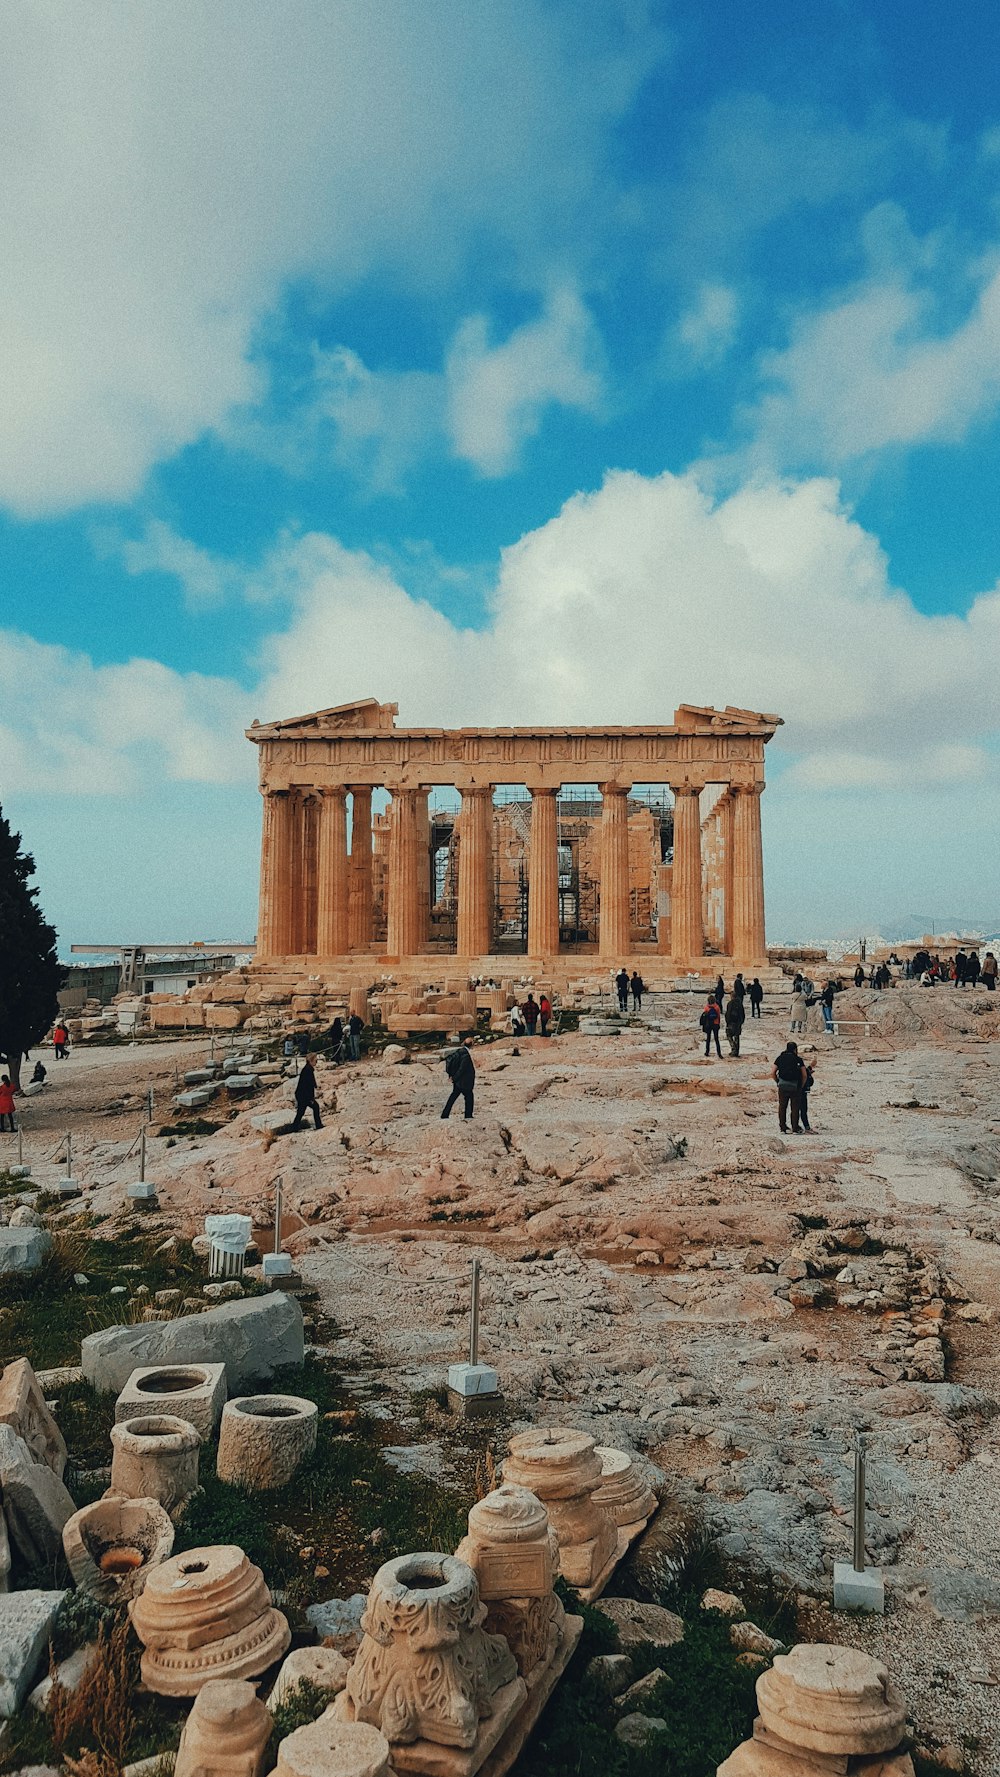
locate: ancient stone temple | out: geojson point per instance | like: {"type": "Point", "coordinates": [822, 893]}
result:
{"type": "Point", "coordinates": [635, 842]}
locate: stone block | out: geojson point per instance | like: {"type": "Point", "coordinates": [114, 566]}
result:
{"type": "Point", "coordinates": [22, 1407]}
{"type": "Point", "coordinates": [226, 1732]}
{"type": "Point", "coordinates": [35, 1502]}
{"type": "Point", "coordinates": [195, 1392]}
{"type": "Point", "coordinates": [252, 1339]}
{"type": "Point", "coordinates": [263, 1440]}
{"type": "Point", "coordinates": [155, 1457]}
{"type": "Point", "coordinates": [322, 1666]}
{"type": "Point", "coordinates": [470, 1379]}
{"type": "Point", "coordinates": [23, 1249]}
{"type": "Point", "coordinates": [858, 1591]}
{"type": "Point", "coordinates": [223, 1017]}
{"type": "Point", "coordinates": [25, 1621]}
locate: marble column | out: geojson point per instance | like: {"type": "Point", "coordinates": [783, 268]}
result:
{"type": "Point", "coordinates": [360, 890]}
{"type": "Point", "coordinates": [422, 847]}
{"type": "Point", "coordinates": [749, 944]}
{"type": "Point", "coordinates": [615, 929]}
{"type": "Point", "coordinates": [275, 874]}
{"type": "Point", "coordinates": [407, 859]}
{"type": "Point", "coordinates": [687, 929]}
{"type": "Point", "coordinates": [332, 874]}
{"type": "Point", "coordinates": [726, 808]}
{"type": "Point", "coordinates": [543, 876]}
{"type": "Point", "coordinates": [475, 873]}
{"type": "Point", "coordinates": [308, 874]}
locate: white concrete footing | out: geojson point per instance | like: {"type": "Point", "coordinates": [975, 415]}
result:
{"type": "Point", "coordinates": [858, 1591]}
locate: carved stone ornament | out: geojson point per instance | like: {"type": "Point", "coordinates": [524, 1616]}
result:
{"type": "Point", "coordinates": [22, 1407]}
{"type": "Point", "coordinates": [112, 1545]}
{"type": "Point", "coordinates": [514, 1553]}
{"type": "Point", "coordinates": [563, 1469]}
{"type": "Point", "coordinates": [155, 1457]}
{"type": "Point", "coordinates": [426, 1669]}
{"type": "Point", "coordinates": [206, 1614]}
{"type": "Point", "coordinates": [624, 1492]}
{"type": "Point", "coordinates": [831, 1699]}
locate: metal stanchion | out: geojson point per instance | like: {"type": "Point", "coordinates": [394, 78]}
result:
{"type": "Point", "coordinates": [858, 1586]}
{"type": "Point", "coordinates": [474, 1316]}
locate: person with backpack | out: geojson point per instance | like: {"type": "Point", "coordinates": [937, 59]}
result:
{"type": "Point", "coordinates": [789, 1074]}
{"type": "Point", "coordinates": [735, 1016]}
{"type": "Point", "coordinates": [544, 1013]}
{"type": "Point", "coordinates": [710, 1021]}
{"type": "Point", "coordinates": [461, 1071]}
{"type": "Point", "coordinates": [756, 994]}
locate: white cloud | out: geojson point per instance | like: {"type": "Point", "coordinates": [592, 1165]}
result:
{"type": "Point", "coordinates": [169, 170]}
{"type": "Point", "coordinates": [876, 369]}
{"type": "Point", "coordinates": [206, 579]}
{"type": "Point", "coordinates": [70, 727]}
{"type": "Point", "coordinates": [707, 329]}
{"type": "Point", "coordinates": [498, 393]}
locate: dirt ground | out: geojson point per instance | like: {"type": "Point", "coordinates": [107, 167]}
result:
{"type": "Point", "coordinates": [735, 1308]}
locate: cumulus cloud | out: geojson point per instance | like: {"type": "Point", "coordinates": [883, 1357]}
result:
{"type": "Point", "coordinates": [498, 393]}
{"type": "Point", "coordinates": [648, 593]}
{"type": "Point", "coordinates": [707, 328]}
{"type": "Point", "coordinates": [70, 727]}
{"type": "Point", "coordinates": [169, 170]}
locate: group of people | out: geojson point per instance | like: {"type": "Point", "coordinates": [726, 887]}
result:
{"type": "Point", "coordinates": [718, 1011]}
{"type": "Point", "coordinates": [804, 995]}
{"type": "Point", "coordinates": [794, 1079]}
{"type": "Point", "coordinates": [533, 1015]}
{"type": "Point", "coordinates": [625, 985]}
{"type": "Point", "coordinates": [879, 976]}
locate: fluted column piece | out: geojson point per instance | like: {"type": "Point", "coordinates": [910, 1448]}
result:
{"type": "Point", "coordinates": [360, 890]}
{"type": "Point", "coordinates": [687, 928]}
{"type": "Point", "coordinates": [332, 875]}
{"type": "Point", "coordinates": [276, 873]}
{"type": "Point", "coordinates": [475, 858]}
{"type": "Point", "coordinates": [406, 858]}
{"type": "Point", "coordinates": [726, 810]}
{"type": "Point", "coordinates": [749, 943]}
{"type": "Point", "coordinates": [543, 876]}
{"type": "Point", "coordinates": [615, 936]}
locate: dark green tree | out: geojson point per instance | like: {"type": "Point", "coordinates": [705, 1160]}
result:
{"type": "Point", "coordinates": [30, 972]}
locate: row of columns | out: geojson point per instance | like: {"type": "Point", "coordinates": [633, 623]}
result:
{"type": "Point", "coordinates": [316, 897]}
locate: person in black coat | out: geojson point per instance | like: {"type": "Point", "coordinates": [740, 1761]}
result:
{"type": "Point", "coordinates": [461, 1071]}
{"type": "Point", "coordinates": [305, 1094]}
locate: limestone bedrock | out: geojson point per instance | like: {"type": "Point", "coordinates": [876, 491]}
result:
{"type": "Point", "coordinates": [252, 1338]}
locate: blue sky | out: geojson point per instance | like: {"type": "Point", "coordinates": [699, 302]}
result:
{"type": "Point", "coordinates": [533, 361]}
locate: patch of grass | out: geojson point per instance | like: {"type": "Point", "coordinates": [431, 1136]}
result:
{"type": "Point", "coordinates": [85, 1420]}
{"type": "Point", "coordinates": [197, 1126]}
{"type": "Point", "coordinates": [347, 1505]}
{"type": "Point", "coordinates": [304, 1704]}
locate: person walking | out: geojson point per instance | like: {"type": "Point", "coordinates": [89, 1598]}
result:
{"type": "Point", "coordinates": [740, 987]}
{"type": "Point", "coordinates": [621, 982]}
{"type": "Point", "coordinates": [756, 994]}
{"type": "Point", "coordinates": [710, 1021]}
{"type": "Point", "coordinates": [808, 1073]}
{"type": "Point", "coordinates": [788, 1073]}
{"type": "Point", "coordinates": [60, 1040]}
{"type": "Point", "coordinates": [544, 1013]}
{"type": "Point", "coordinates": [529, 1012]}
{"type": "Point", "coordinates": [305, 1094]}
{"type": "Point", "coordinates": [735, 1016]}
{"type": "Point", "coordinates": [988, 972]}
{"type": "Point", "coordinates": [355, 1025]}
{"type": "Point", "coordinates": [461, 1071]}
{"type": "Point", "coordinates": [799, 1010]}
{"type": "Point", "coordinates": [6, 1104]}
{"type": "Point", "coordinates": [638, 987]}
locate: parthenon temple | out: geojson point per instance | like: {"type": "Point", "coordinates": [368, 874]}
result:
{"type": "Point", "coordinates": [629, 844]}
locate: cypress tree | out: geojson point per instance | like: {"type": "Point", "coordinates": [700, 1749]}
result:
{"type": "Point", "coordinates": [30, 972]}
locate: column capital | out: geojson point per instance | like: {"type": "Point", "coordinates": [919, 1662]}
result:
{"type": "Point", "coordinates": [469, 792]}
{"type": "Point", "coordinates": [542, 789]}
{"type": "Point", "coordinates": [614, 788]}
{"type": "Point", "coordinates": [269, 790]}
{"type": "Point", "coordinates": [686, 789]}
{"type": "Point", "coordinates": [329, 790]}
{"type": "Point", "coordinates": [756, 789]}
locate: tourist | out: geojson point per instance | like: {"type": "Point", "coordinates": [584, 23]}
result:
{"type": "Point", "coordinates": [461, 1071]}
{"type": "Point", "coordinates": [960, 965]}
{"type": "Point", "coordinates": [789, 1074]}
{"type": "Point", "coordinates": [826, 1000]}
{"type": "Point", "coordinates": [355, 1026]}
{"type": "Point", "coordinates": [972, 968]}
{"type": "Point", "coordinates": [638, 986]}
{"type": "Point", "coordinates": [529, 1012]}
{"type": "Point", "coordinates": [710, 1021]}
{"type": "Point", "coordinates": [40, 1074]}
{"type": "Point", "coordinates": [305, 1094]}
{"type": "Point", "coordinates": [799, 1008]}
{"type": "Point", "coordinates": [335, 1040]}
{"type": "Point", "coordinates": [60, 1040]}
{"type": "Point", "coordinates": [988, 972]}
{"type": "Point", "coordinates": [735, 1016]}
{"type": "Point", "coordinates": [808, 1081]}
{"type": "Point", "coordinates": [544, 1013]}
{"type": "Point", "coordinates": [739, 987]}
{"type": "Point", "coordinates": [621, 982]}
{"type": "Point", "coordinates": [6, 1104]}
{"type": "Point", "coordinates": [756, 996]}
{"type": "Point", "coordinates": [859, 976]}
{"type": "Point", "coordinates": [797, 982]}
{"type": "Point", "coordinates": [515, 1022]}
{"type": "Point", "coordinates": [719, 992]}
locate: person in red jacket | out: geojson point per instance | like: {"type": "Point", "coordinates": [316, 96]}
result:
{"type": "Point", "coordinates": [544, 1013]}
{"type": "Point", "coordinates": [60, 1039]}
{"type": "Point", "coordinates": [6, 1104]}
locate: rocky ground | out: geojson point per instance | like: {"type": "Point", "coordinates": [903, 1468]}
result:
{"type": "Point", "coordinates": [663, 1268]}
